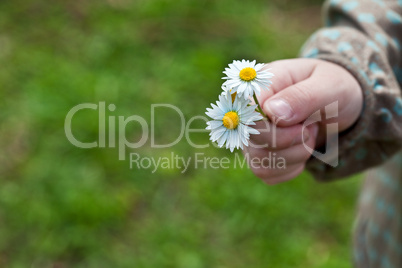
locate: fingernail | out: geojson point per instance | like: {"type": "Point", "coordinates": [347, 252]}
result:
{"type": "Point", "coordinates": [280, 108]}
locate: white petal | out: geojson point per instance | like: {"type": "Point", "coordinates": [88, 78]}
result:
{"type": "Point", "coordinates": [215, 124]}
{"type": "Point", "coordinates": [252, 130]}
{"type": "Point", "coordinates": [259, 66]}
{"type": "Point", "coordinates": [242, 87]}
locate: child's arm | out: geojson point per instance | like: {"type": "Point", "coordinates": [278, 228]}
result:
{"type": "Point", "coordinates": [364, 38]}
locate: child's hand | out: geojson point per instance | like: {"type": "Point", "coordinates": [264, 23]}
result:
{"type": "Point", "coordinates": [300, 88]}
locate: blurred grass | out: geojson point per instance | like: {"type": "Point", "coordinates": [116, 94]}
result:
{"type": "Point", "coordinates": [61, 206]}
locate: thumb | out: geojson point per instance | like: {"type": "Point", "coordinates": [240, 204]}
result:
{"type": "Point", "coordinates": [297, 102]}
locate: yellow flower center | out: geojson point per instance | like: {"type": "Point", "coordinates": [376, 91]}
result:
{"type": "Point", "coordinates": [231, 120]}
{"type": "Point", "coordinates": [248, 74]}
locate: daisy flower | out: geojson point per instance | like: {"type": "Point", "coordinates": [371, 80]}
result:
{"type": "Point", "coordinates": [245, 78]}
{"type": "Point", "coordinates": [231, 121]}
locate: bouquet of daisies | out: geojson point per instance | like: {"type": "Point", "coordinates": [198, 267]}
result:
{"type": "Point", "coordinates": [233, 113]}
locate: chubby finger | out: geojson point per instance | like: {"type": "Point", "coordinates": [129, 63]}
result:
{"type": "Point", "coordinates": [297, 102]}
{"type": "Point", "coordinates": [281, 164]}
{"type": "Point", "coordinates": [274, 137]}
{"type": "Point", "coordinates": [287, 73]}
{"type": "Point", "coordinates": [291, 155]}
{"type": "Point", "coordinates": [297, 153]}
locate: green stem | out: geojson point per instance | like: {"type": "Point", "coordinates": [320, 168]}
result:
{"type": "Point", "coordinates": [259, 107]}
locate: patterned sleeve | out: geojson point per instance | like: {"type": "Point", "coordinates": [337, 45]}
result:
{"type": "Point", "coordinates": [365, 38]}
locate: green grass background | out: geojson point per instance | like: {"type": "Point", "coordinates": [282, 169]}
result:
{"type": "Point", "coordinates": [62, 206]}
